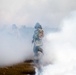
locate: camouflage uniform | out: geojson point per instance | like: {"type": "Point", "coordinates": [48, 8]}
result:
{"type": "Point", "coordinates": [37, 40]}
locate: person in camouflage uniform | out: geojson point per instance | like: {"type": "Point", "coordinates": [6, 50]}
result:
{"type": "Point", "coordinates": [37, 40]}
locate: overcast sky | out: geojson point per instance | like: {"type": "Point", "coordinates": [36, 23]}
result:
{"type": "Point", "coordinates": [28, 12]}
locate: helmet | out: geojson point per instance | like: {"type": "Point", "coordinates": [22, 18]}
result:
{"type": "Point", "coordinates": [38, 26]}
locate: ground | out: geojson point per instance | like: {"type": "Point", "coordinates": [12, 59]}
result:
{"type": "Point", "coordinates": [24, 68]}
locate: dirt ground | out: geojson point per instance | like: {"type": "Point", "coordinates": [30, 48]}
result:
{"type": "Point", "coordinates": [24, 68]}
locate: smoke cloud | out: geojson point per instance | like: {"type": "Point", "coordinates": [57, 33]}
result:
{"type": "Point", "coordinates": [47, 12]}
{"type": "Point", "coordinates": [62, 46]}
{"type": "Point", "coordinates": [15, 45]}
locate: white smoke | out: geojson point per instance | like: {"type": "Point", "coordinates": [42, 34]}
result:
{"type": "Point", "coordinates": [59, 48]}
{"type": "Point", "coordinates": [47, 12]}
{"type": "Point", "coordinates": [62, 46]}
{"type": "Point", "coordinates": [14, 47]}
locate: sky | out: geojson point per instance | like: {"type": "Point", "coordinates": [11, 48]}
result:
{"type": "Point", "coordinates": [27, 12]}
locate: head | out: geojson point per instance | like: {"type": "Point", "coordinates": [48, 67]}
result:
{"type": "Point", "coordinates": [38, 26]}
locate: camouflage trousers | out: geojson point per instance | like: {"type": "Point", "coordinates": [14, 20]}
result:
{"type": "Point", "coordinates": [38, 54]}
